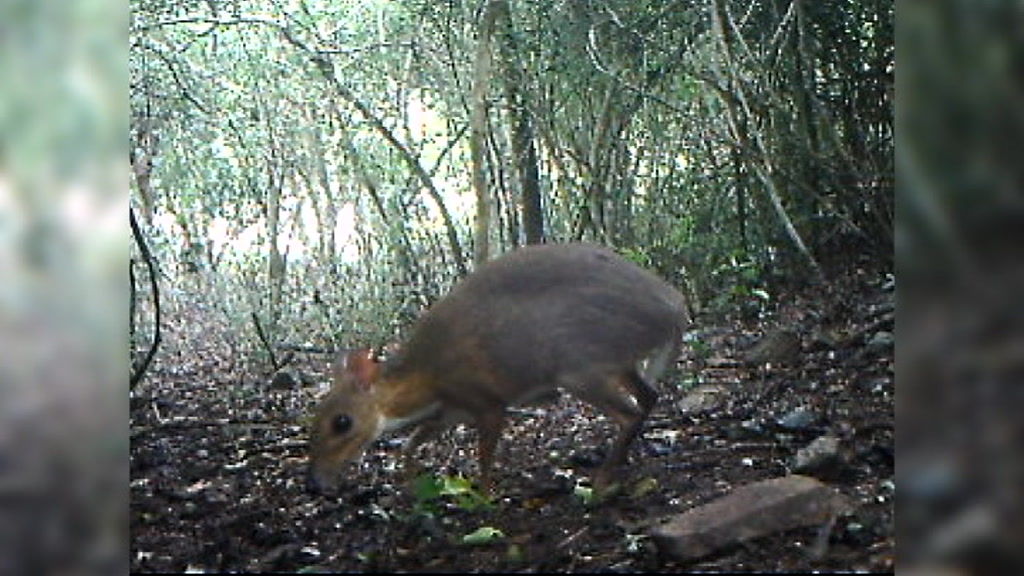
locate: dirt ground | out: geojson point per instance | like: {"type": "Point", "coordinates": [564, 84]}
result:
{"type": "Point", "coordinates": [218, 460]}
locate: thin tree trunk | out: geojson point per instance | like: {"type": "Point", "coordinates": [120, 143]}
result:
{"type": "Point", "coordinates": [741, 202]}
{"type": "Point", "coordinates": [453, 238]}
{"type": "Point", "coordinates": [326, 210]}
{"type": "Point", "coordinates": [141, 157]}
{"type": "Point", "coordinates": [275, 262]}
{"type": "Point", "coordinates": [366, 179]}
{"type": "Point", "coordinates": [762, 164]}
{"type": "Point", "coordinates": [478, 130]}
{"type": "Point", "coordinates": [524, 150]}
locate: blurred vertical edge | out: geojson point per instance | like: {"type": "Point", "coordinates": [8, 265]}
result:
{"type": "Point", "coordinates": [960, 324]}
{"type": "Point", "coordinates": [63, 286]}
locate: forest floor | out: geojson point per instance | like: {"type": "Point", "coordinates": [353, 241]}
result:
{"type": "Point", "coordinates": [218, 459]}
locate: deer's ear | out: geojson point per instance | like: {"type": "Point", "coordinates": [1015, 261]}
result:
{"type": "Point", "coordinates": [356, 367]}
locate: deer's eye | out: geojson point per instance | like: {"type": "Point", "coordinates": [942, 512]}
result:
{"type": "Point", "coordinates": [341, 424]}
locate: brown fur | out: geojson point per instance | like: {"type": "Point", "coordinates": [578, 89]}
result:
{"type": "Point", "coordinates": [573, 316]}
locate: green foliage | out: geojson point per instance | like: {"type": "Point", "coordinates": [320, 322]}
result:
{"type": "Point", "coordinates": [586, 494]}
{"type": "Point", "coordinates": [699, 348]}
{"type": "Point", "coordinates": [638, 255]}
{"type": "Point", "coordinates": [664, 152]}
{"type": "Point", "coordinates": [483, 535]}
{"type": "Point", "coordinates": [643, 487]}
{"type": "Point", "coordinates": [690, 381]}
{"type": "Point", "coordinates": [739, 283]}
{"type": "Point", "coordinates": [430, 491]}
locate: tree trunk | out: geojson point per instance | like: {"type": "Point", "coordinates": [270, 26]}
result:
{"type": "Point", "coordinates": [524, 151]}
{"type": "Point", "coordinates": [478, 130]}
{"type": "Point", "coordinates": [740, 179]}
{"type": "Point", "coordinates": [275, 262]}
{"type": "Point", "coordinates": [142, 156]}
{"type": "Point", "coordinates": [326, 209]}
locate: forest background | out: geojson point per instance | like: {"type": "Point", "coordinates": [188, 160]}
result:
{"type": "Point", "coordinates": [63, 199]}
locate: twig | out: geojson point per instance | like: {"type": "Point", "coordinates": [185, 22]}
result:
{"type": "Point", "coordinates": [572, 538]}
{"type": "Point", "coordinates": [305, 349]}
{"type": "Point", "coordinates": [265, 341]}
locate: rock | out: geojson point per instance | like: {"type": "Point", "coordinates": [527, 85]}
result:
{"type": "Point", "coordinates": [585, 458]}
{"type": "Point", "coordinates": [278, 557]}
{"type": "Point", "coordinates": [876, 385]}
{"type": "Point", "coordinates": [283, 380]}
{"type": "Point", "coordinates": [820, 458]}
{"type": "Point", "coordinates": [661, 441]}
{"type": "Point", "coordinates": [753, 425]}
{"type": "Point", "coordinates": [701, 399]}
{"type": "Point", "coordinates": [799, 418]}
{"type": "Point", "coordinates": [777, 347]}
{"type": "Point", "coordinates": [749, 512]}
{"type": "Point", "coordinates": [748, 429]}
{"type": "Point", "coordinates": [881, 341]}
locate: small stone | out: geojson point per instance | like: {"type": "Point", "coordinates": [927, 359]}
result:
{"type": "Point", "coordinates": [777, 347]}
{"type": "Point", "coordinates": [881, 341]}
{"type": "Point", "coordinates": [701, 399]}
{"type": "Point", "coordinates": [820, 457]}
{"type": "Point", "coordinates": [800, 418]}
{"type": "Point", "coordinates": [752, 425]}
{"type": "Point", "coordinates": [283, 380]}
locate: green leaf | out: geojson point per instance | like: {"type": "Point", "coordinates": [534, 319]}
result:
{"type": "Point", "coordinates": [584, 493]}
{"type": "Point", "coordinates": [483, 535]}
{"type": "Point", "coordinates": [645, 487]}
{"type": "Point", "coordinates": [455, 485]}
{"type": "Point", "coordinates": [700, 348]}
{"type": "Point", "coordinates": [427, 487]}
